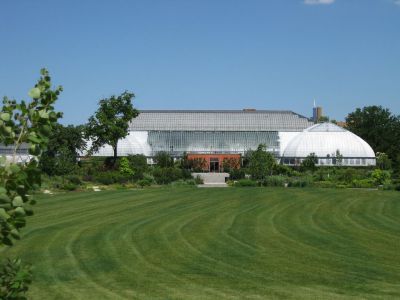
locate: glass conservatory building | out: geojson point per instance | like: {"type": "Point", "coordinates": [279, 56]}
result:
{"type": "Point", "coordinates": [289, 136]}
{"type": "Point", "coordinates": [331, 144]}
{"type": "Point", "coordinates": [209, 132]}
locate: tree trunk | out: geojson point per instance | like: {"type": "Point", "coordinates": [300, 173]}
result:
{"type": "Point", "coordinates": [115, 148]}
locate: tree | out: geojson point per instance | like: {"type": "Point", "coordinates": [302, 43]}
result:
{"type": "Point", "coordinates": [138, 163]}
{"type": "Point", "coordinates": [125, 168]}
{"type": "Point", "coordinates": [110, 122]}
{"type": "Point", "coordinates": [383, 161]}
{"type": "Point", "coordinates": [378, 127]}
{"type": "Point", "coordinates": [323, 119]}
{"type": "Point", "coordinates": [261, 163]}
{"type": "Point", "coordinates": [380, 176]}
{"type": "Point", "coordinates": [309, 163]}
{"type": "Point", "coordinates": [339, 158]}
{"type": "Point", "coordinates": [164, 160]}
{"type": "Point", "coordinates": [64, 147]}
{"type": "Point", "coordinates": [20, 123]}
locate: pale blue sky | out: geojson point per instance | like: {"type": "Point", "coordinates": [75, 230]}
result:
{"type": "Point", "coordinates": [205, 54]}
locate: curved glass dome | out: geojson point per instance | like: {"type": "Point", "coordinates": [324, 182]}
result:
{"type": "Point", "coordinates": [326, 140]}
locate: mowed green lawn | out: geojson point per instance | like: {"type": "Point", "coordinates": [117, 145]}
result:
{"type": "Point", "coordinates": [234, 243]}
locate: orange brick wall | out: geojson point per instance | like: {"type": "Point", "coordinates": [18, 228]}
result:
{"type": "Point", "coordinates": [207, 158]}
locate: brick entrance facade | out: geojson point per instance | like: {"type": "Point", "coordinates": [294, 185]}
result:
{"type": "Point", "coordinates": [215, 162]}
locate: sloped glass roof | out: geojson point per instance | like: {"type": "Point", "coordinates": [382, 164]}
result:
{"type": "Point", "coordinates": [219, 120]}
{"type": "Point", "coordinates": [325, 127]}
{"type": "Point", "coordinates": [324, 140]}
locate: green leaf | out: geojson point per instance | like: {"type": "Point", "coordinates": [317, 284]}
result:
{"type": "Point", "coordinates": [15, 234]}
{"type": "Point", "coordinates": [34, 93]}
{"type": "Point", "coordinates": [3, 191]}
{"type": "Point", "coordinates": [6, 241]}
{"type": "Point", "coordinates": [18, 201]}
{"type": "Point", "coordinates": [4, 215]}
{"type": "Point", "coordinates": [34, 138]}
{"type": "Point", "coordinates": [29, 211]}
{"type": "Point", "coordinates": [14, 168]}
{"type": "Point", "coordinates": [20, 211]}
{"type": "Point", "coordinates": [43, 114]}
{"type": "Point", "coordinates": [6, 206]}
{"type": "Point", "coordinates": [4, 198]}
{"type": "Point", "coordinates": [34, 150]}
{"type": "Point", "coordinates": [5, 117]}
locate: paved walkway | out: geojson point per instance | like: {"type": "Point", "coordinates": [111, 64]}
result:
{"type": "Point", "coordinates": [212, 179]}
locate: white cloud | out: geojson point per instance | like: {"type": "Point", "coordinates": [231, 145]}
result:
{"type": "Point", "coordinates": [396, 2]}
{"type": "Point", "coordinates": [316, 2]}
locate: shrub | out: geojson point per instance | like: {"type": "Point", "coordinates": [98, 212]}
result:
{"type": "Point", "coordinates": [14, 279]}
{"type": "Point", "coordinates": [87, 177]}
{"type": "Point", "coordinates": [74, 179]}
{"type": "Point", "coordinates": [397, 187]}
{"type": "Point", "coordinates": [191, 182]}
{"type": "Point", "coordinates": [125, 168]}
{"type": "Point", "coordinates": [198, 180]}
{"type": "Point", "coordinates": [236, 174]}
{"type": "Point", "coordinates": [363, 183]}
{"type": "Point", "coordinates": [282, 170]}
{"type": "Point", "coordinates": [274, 181]}
{"type": "Point", "coordinates": [325, 184]}
{"type": "Point", "coordinates": [108, 178]}
{"type": "Point", "coordinates": [144, 182]}
{"type": "Point", "coordinates": [105, 178]}
{"type": "Point", "coordinates": [310, 162]}
{"type": "Point", "coordinates": [186, 174]}
{"type": "Point", "coordinates": [299, 182]}
{"type": "Point", "coordinates": [380, 176]}
{"type": "Point", "coordinates": [164, 160]}
{"type": "Point", "coordinates": [346, 175]}
{"type": "Point", "coordinates": [166, 175]}
{"type": "Point", "coordinates": [138, 164]}
{"type": "Point", "coordinates": [69, 186]}
{"type": "Point", "coordinates": [246, 183]}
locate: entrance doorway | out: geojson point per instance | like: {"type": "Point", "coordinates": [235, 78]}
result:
{"type": "Point", "coordinates": [214, 164]}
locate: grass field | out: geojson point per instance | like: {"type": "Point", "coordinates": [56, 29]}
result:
{"type": "Point", "coordinates": [235, 243]}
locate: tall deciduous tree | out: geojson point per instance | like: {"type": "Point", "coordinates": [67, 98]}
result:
{"type": "Point", "coordinates": [261, 163]}
{"type": "Point", "coordinates": [65, 145]}
{"type": "Point", "coordinates": [378, 127]}
{"type": "Point", "coordinates": [111, 121]}
{"type": "Point", "coordinates": [310, 162]}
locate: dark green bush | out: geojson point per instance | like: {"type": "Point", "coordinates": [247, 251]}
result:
{"type": "Point", "coordinates": [14, 279]}
{"type": "Point", "coordinates": [166, 175]}
{"type": "Point", "coordinates": [144, 182]}
{"type": "Point", "coordinates": [274, 181]}
{"type": "Point", "coordinates": [138, 164]}
{"type": "Point", "coordinates": [74, 179]}
{"type": "Point", "coordinates": [198, 180]}
{"type": "Point", "coordinates": [363, 183]}
{"type": "Point", "coordinates": [112, 177]}
{"type": "Point", "coordinates": [186, 174]}
{"type": "Point", "coordinates": [282, 170]}
{"type": "Point", "coordinates": [69, 186]}
{"type": "Point", "coordinates": [164, 160]}
{"type": "Point", "coordinates": [87, 177]}
{"type": "Point", "coordinates": [299, 182]}
{"type": "Point", "coordinates": [105, 178]}
{"type": "Point", "coordinates": [236, 174]}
